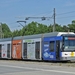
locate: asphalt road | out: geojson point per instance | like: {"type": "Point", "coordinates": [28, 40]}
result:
{"type": "Point", "coordinates": [33, 68]}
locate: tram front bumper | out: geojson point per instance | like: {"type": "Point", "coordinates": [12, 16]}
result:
{"type": "Point", "coordinates": [68, 58]}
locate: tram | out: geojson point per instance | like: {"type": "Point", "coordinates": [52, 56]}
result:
{"type": "Point", "coordinates": [54, 46]}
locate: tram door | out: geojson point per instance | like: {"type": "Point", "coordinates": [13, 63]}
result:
{"type": "Point", "coordinates": [37, 52]}
{"type": "Point", "coordinates": [57, 49]}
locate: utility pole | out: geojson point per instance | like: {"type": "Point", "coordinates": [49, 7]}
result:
{"type": "Point", "coordinates": [54, 20]}
{"type": "Point", "coordinates": [42, 18]}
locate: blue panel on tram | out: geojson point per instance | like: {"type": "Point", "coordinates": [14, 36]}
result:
{"type": "Point", "coordinates": [49, 47]}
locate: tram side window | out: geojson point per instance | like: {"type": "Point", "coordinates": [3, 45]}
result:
{"type": "Point", "coordinates": [37, 46]}
{"type": "Point", "coordinates": [25, 49]}
{"type": "Point", "coordinates": [8, 47]}
{"type": "Point", "coordinates": [25, 46]}
{"type": "Point", "coordinates": [8, 50]}
{"type": "Point", "coordinates": [0, 49]}
{"type": "Point", "coordinates": [51, 46]}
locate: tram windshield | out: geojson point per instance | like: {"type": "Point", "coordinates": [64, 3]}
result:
{"type": "Point", "coordinates": [69, 44]}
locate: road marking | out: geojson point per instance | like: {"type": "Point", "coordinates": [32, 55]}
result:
{"type": "Point", "coordinates": [47, 70]}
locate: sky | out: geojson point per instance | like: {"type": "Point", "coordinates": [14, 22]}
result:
{"type": "Point", "coordinates": [12, 11]}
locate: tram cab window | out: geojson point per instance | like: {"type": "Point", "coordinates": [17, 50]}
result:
{"type": "Point", "coordinates": [69, 43]}
{"type": "Point", "coordinates": [51, 46]}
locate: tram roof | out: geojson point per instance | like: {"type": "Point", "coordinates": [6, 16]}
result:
{"type": "Point", "coordinates": [37, 36]}
{"type": "Point", "coordinates": [5, 39]}
{"type": "Point", "coordinates": [57, 33]}
{"type": "Point", "coordinates": [33, 36]}
{"type": "Point", "coordinates": [17, 38]}
{"type": "Point", "coordinates": [46, 35]}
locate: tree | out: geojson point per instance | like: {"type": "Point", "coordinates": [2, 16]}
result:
{"type": "Point", "coordinates": [5, 29]}
{"type": "Point", "coordinates": [73, 22]}
{"type": "Point", "coordinates": [34, 28]}
{"type": "Point", "coordinates": [71, 27]}
{"type": "Point", "coordinates": [50, 28]}
{"type": "Point", "coordinates": [15, 33]}
{"type": "Point", "coordinates": [37, 28]}
{"type": "Point", "coordinates": [59, 28]}
{"type": "Point", "coordinates": [65, 28]}
{"type": "Point", "coordinates": [42, 28]}
{"type": "Point", "coordinates": [31, 28]}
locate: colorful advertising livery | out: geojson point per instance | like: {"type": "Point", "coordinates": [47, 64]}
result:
{"type": "Point", "coordinates": [16, 49]}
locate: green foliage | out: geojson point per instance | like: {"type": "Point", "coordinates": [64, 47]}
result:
{"type": "Point", "coordinates": [65, 28]}
{"type": "Point", "coordinates": [37, 28]}
{"type": "Point", "coordinates": [42, 28]}
{"type": "Point", "coordinates": [71, 27]}
{"type": "Point", "coordinates": [15, 33]}
{"type": "Point", "coordinates": [73, 22]}
{"type": "Point", "coordinates": [6, 30]}
{"type": "Point", "coordinates": [50, 28]}
{"type": "Point", "coordinates": [59, 28]}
